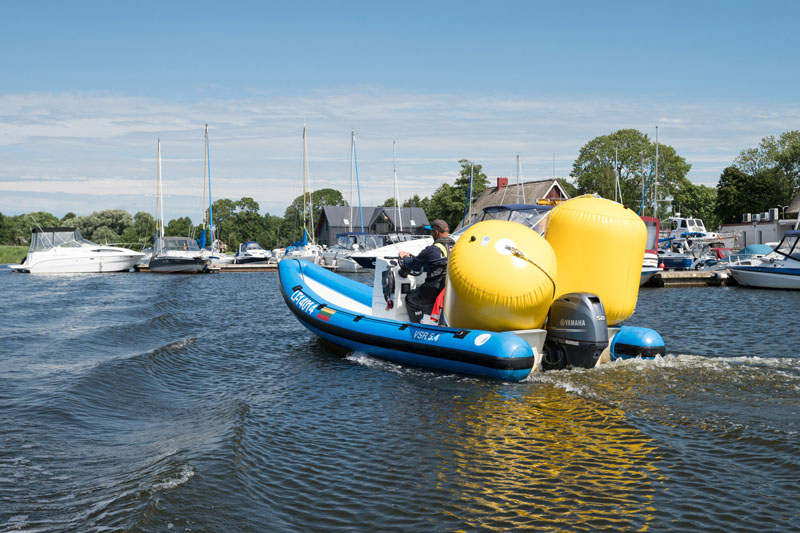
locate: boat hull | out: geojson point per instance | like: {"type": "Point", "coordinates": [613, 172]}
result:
{"type": "Point", "coordinates": [178, 265]}
{"type": "Point", "coordinates": [766, 277]}
{"type": "Point", "coordinates": [647, 275]}
{"type": "Point", "coordinates": [333, 307]}
{"type": "Point", "coordinates": [89, 264]}
{"type": "Point", "coordinates": [249, 259]}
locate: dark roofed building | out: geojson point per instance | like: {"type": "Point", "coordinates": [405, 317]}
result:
{"type": "Point", "coordinates": [404, 220]}
{"type": "Point", "coordinates": [337, 219]}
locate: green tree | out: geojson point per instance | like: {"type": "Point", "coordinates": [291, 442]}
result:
{"type": "Point", "coordinates": [105, 235]}
{"type": "Point", "coordinates": [732, 198]}
{"type": "Point", "coordinates": [448, 201]}
{"type": "Point", "coordinates": [739, 193]}
{"type": "Point", "coordinates": [782, 153]}
{"type": "Point", "coordinates": [141, 231]}
{"type": "Point", "coordinates": [246, 205]}
{"type": "Point", "coordinates": [224, 211]}
{"type": "Point", "coordinates": [6, 235]}
{"type": "Point", "coordinates": [179, 227]}
{"type": "Point", "coordinates": [697, 201]}
{"type": "Point", "coordinates": [416, 201]}
{"type": "Point", "coordinates": [117, 220]}
{"type": "Point", "coordinates": [294, 219]}
{"type": "Point", "coordinates": [633, 154]}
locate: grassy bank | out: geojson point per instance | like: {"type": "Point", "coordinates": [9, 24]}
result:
{"type": "Point", "coordinates": [12, 254]}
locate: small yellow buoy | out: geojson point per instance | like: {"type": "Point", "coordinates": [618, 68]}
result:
{"type": "Point", "coordinates": [500, 277]}
{"type": "Point", "coordinates": [599, 245]}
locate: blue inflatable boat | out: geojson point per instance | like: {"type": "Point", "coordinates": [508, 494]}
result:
{"type": "Point", "coordinates": [339, 310]}
{"type": "Point", "coordinates": [374, 320]}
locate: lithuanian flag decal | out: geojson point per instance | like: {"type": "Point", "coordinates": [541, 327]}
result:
{"type": "Point", "coordinates": [325, 313]}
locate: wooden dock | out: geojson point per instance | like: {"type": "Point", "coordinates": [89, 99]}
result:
{"type": "Point", "coordinates": [691, 278]}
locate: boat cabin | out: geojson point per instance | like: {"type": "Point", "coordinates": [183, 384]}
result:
{"type": "Point", "coordinates": [175, 244]}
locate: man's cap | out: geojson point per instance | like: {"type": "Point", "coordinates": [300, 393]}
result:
{"type": "Point", "coordinates": [439, 225]}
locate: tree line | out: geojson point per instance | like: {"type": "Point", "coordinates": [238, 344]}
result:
{"type": "Point", "coordinates": [621, 165]}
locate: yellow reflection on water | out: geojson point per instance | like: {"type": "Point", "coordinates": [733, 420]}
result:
{"type": "Point", "coordinates": [548, 460]}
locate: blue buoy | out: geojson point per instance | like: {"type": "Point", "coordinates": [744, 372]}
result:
{"type": "Point", "coordinates": [633, 341]}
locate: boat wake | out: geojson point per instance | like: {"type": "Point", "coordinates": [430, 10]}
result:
{"type": "Point", "coordinates": [185, 475]}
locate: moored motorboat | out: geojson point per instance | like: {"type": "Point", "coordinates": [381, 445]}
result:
{"type": "Point", "coordinates": [251, 252]}
{"type": "Point", "coordinates": [63, 250]}
{"type": "Point", "coordinates": [777, 270]}
{"type": "Point", "coordinates": [178, 255]}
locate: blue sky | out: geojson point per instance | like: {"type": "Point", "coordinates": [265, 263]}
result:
{"type": "Point", "coordinates": [86, 88]}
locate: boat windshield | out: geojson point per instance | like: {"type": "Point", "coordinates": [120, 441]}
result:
{"type": "Point", "coordinates": [253, 246]}
{"type": "Point", "coordinates": [532, 216]}
{"type": "Point", "coordinates": [51, 237]}
{"type": "Point", "coordinates": [394, 238]}
{"type": "Point", "coordinates": [788, 247]}
{"type": "Point", "coordinates": [172, 244]}
{"type": "Point", "coordinates": [359, 241]}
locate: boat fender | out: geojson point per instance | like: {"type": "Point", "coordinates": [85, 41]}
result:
{"type": "Point", "coordinates": [632, 341]}
{"type": "Point", "coordinates": [387, 282]}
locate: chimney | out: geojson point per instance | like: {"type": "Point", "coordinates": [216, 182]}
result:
{"type": "Point", "coordinates": [501, 182]}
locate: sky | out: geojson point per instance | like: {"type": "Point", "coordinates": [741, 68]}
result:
{"type": "Point", "coordinates": [88, 87]}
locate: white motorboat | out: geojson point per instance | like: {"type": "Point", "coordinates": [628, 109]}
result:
{"type": "Point", "coordinates": [65, 251]}
{"type": "Point", "coordinates": [678, 227]}
{"type": "Point", "coordinates": [339, 256]}
{"type": "Point", "coordinates": [178, 255]}
{"type": "Point", "coordinates": [251, 252]}
{"type": "Point", "coordinates": [777, 270]}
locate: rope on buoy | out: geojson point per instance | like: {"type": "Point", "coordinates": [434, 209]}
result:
{"type": "Point", "coordinates": [516, 252]}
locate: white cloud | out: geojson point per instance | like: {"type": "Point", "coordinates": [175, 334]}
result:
{"type": "Point", "coordinates": [97, 150]}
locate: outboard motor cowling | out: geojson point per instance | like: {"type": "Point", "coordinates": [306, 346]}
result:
{"type": "Point", "coordinates": [577, 332]}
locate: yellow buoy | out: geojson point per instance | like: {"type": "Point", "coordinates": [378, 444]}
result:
{"type": "Point", "coordinates": [599, 245]}
{"type": "Point", "coordinates": [500, 277]}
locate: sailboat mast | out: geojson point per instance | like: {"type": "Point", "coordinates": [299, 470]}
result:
{"type": "Point", "coordinates": [616, 175]}
{"type": "Point", "coordinates": [159, 195]}
{"type": "Point", "coordinates": [305, 157]}
{"type": "Point", "coordinates": [358, 185]}
{"type": "Point", "coordinates": [205, 185]}
{"type": "Point", "coordinates": [307, 172]}
{"type": "Point", "coordinates": [210, 212]}
{"type": "Point", "coordinates": [352, 176]}
{"type": "Point", "coordinates": [469, 199]}
{"type": "Point", "coordinates": [398, 212]}
{"type": "Point", "coordinates": [655, 184]}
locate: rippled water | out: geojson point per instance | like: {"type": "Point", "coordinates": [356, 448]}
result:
{"type": "Point", "coordinates": [145, 402]}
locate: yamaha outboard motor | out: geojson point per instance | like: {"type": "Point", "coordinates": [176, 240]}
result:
{"type": "Point", "coordinates": [577, 332]}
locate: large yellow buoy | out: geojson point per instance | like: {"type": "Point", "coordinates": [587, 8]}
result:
{"type": "Point", "coordinates": [599, 245]}
{"type": "Point", "coordinates": [500, 277]}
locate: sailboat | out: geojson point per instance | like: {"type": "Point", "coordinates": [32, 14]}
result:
{"type": "Point", "coordinates": [353, 240]}
{"type": "Point", "coordinates": [173, 255]}
{"type": "Point", "coordinates": [305, 248]}
{"type": "Point", "coordinates": [208, 243]}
